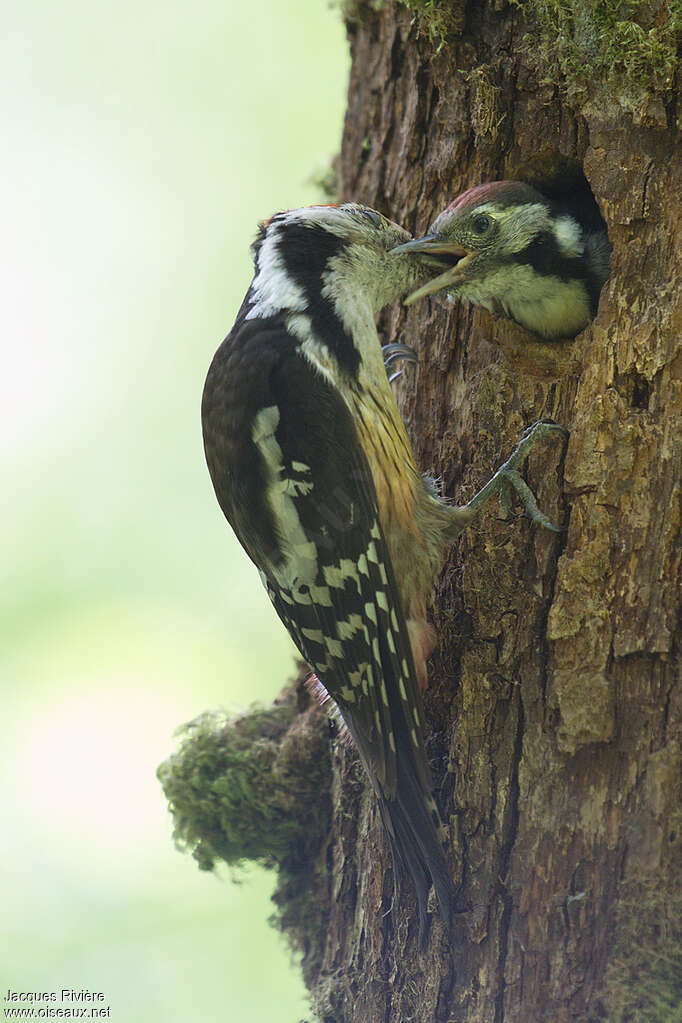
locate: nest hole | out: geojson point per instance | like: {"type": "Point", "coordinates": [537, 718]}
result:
{"type": "Point", "coordinates": [563, 180]}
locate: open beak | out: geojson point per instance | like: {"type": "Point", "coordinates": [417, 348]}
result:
{"type": "Point", "coordinates": [440, 253]}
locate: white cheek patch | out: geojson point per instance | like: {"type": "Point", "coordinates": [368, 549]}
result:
{"type": "Point", "coordinates": [568, 235]}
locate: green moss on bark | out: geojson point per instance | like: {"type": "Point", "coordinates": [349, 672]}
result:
{"type": "Point", "coordinates": [627, 44]}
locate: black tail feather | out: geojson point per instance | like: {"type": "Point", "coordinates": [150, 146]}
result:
{"type": "Point", "coordinates": [412, 822]}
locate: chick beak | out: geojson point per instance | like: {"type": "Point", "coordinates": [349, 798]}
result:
{"type": "Point", "coordinates": [438, 252]}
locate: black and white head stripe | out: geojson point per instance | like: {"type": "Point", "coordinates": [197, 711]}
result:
{"type": "Point", "coordinates": [304, 261]}
{"type": "Point", "coordinates": [292, 255]}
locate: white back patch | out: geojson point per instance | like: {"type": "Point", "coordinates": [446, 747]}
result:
{"type": "Point", "coordinates": [299, 553]}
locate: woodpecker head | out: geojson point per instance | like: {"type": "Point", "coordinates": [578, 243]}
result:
{"type": "Point", "coordinates": [337, 253]}
{"type": "Point", "coordinates": [515, 252]}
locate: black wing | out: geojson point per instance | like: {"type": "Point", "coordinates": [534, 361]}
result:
{"type": "Point", "coordinates": [294, 482]}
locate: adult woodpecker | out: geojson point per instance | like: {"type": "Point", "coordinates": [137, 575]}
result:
{"type": "Point", "coordinates": [521, 254]}
{"type": "Point", "coordinates": [313, 469]}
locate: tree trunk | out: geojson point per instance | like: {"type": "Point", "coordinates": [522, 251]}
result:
{"type": "Point", "coordinates": [554, 702]}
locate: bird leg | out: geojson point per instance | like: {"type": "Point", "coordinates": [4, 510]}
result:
{"type": "Point", "coordinates": [507, 480]}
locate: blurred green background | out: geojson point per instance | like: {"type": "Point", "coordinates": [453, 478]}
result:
{"type": "Point", "coordinates": [141, 145]}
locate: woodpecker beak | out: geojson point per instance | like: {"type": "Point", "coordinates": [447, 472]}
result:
{"type": "Point", "coordinates": [431, 245]}
{"type": "Point", "coordinates": [438, 252]}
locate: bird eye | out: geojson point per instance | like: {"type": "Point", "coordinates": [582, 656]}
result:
{"type": "Point", "coordinates": [481, 223]}
{"type": "Point", "coordinates": [375, 218]}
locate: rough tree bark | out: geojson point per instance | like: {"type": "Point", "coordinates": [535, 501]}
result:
{"type": "Point", "coordinates": [554, 706]}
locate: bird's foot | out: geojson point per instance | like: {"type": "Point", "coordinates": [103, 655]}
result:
{"type": "Point", "coordinates": [508, 480]}
{"type": "Point", "coordinates": [394, 351]}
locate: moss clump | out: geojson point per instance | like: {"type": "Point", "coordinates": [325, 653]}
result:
{"type": "Point", "coordinates": [644, 978]}
{"type": "Point", "coordinates": [254, 787]}
{"type": "Point", "coordinates": [624, 43]}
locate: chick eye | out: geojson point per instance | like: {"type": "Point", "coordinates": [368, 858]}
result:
{"type": "Point", "coordinates": [481, 223]}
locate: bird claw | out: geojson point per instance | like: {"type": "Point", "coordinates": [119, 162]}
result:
{"type": "Point", "coordinates": [508, 480]}
{"type": "Point", "coordinates": [513, 481]}
{"type": "Point", "coordinates": [395, 350]}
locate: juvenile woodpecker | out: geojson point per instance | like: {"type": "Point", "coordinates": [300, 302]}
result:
{"type": "Point", "coordinates": [313, 469]}
{"type": "Point", "coordinates": [520, 254]}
